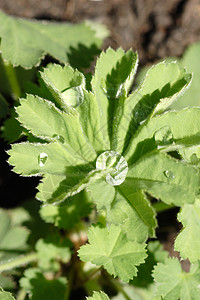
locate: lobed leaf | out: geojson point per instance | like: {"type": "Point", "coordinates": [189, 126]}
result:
{"type": "Point", "coordinates": [98, 296]}
{"type": "Point", "coordinates": [111, 248]}
{"type": "Point", "coordinates": [161, 86]}
{"type": "Point", "coordinates": [25, 42]}
{"type": "Point", "coordinates": [39, 287]}
{"type": "Point", "coordinates": [6, 295]}
{"type": "Point", "coordinates": [165, 178]}
{"type": "Point", "coordinates": [51, 251]}
{"type": "Point", "coordinates": [65, 217]}
{"type": "Point", "coordinates": [188, 241]}
{"type": "Point", "coordinates": [173, 283]}
{"type": "Point", "coordinates": [131, 209]}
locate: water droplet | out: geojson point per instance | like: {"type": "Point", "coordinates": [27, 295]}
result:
{"type": "Point", "coordinates": [169, 174]}
{"type": "Point", "coordinates": [115, 164]}
{"type": "Point", "coordinates": [59, 138]}
{"type": "Point", "coordinates": [163, 136]}
{"type": "Point", "coordinates": [194, 159]}
{"type": "Point", "coordinates": [42, 158]}
{"type": "Point", "coordinates": [73, 96]}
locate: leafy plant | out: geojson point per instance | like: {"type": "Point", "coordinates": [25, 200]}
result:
{"type": "Point", "coordinates": [107, 153]}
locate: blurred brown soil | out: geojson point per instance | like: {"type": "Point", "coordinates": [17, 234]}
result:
{"type": "Point", "coordinates": [156, 28]}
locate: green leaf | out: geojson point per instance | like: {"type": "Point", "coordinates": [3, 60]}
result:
{"type": "Point", "coordinates": [98, 296]}
{"type": "Point", "coordinates": [5, 295]}
{"type": "Point", "coordinates": [190, 60]}
{"type": "Point", "coordinates": [12, 237]}
{"type": "Point", "coordinates": [188, 241]}
{"type": "Point", "coordinates": [25, 42]}
{"type": "Point", "coordinates": [173, 283]}
{"type": "Point", "coordinates": [65, 84]}
{"type": "Point", "coordinates": [38, 287]}
{"type": "Point", "coordinates": [162, 177]}
{"type": "Point", "coordinates": [131, 209]}
{"type": "Point", "coordinates": [53, 158]}
{"type": "Point", "coordinates": [3, 107]}
{"type": "Point", "coordinates": [102, 200]}
{"type": "Point", "coordinates": [51, 251]}
{"type": "Point", "coordinates": [51, 124]}
{"type": "Point", "coordinates": [136, 293]}
{"type": "Point", "coordinates": [92, 124]}
{"type": "Point", "coordinates": [113, 77]}
{"type": "Point", "coordinates": [155, 254]}
{"type": "Point", "coordinates": [110, 248]}
{"type": "Point", "coordinates": [11, 128]}
{"type": "Point", "coordinates": [161, 86]}
{"type": "Point", "coordinates": [66, 217]}
{"type": "Point", "coordinates": [171, 123]}
{"type": "Point", "coordinates": [6, 282]}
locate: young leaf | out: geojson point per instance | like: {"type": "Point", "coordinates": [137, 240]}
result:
{"type": "Point", "coordinates": [12, 238]}
{"type": "Point", "coordinates": [72, 149]}
{"type": "Point", "coordinates": [66, 217]}
{"type": "Point", "coordinates": [102, 200]}
{"type": "Point", "coordinates": [168, 132]}
{"type": "Point", "coordinates": [162, 176]}
{"type": "Point", "coordinates": [6, 295]}
{"type": "Point", "coordinates": [25, 42]}
{"type": "Point", "coordinates": [39, 287]}
{"type": "Point", "coordinates": [98, 296]}
{"type": "Point", "coordinates": [111, 248]}
{"type": "Point", "coordinates": [130, 209]}
{"type": "Point", "coordinates": [51, 251]}
{"type": "Point", "coordinates": [188, 241]}
{"type": "Point", "coordinates": [112, 80]}
{"type": "Point", "coordinates": [161, 86]}
{"type": "Point", "coordinates": [173, 283]}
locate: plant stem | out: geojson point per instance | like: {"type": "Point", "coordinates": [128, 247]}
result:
{"type": "Point", "coordinates": [21, 295]}
{"type": "Point", "coordinates": [18, 261]}
{"type": "Point", "coordinates": [160, 206]}
{"type": "Point", "coordinates": [120, 289]}
{"type": "Point", "coordinates": [12, 79]}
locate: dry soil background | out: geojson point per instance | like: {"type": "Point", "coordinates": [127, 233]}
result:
{"type": "Point", "coordinates": [156, 28]}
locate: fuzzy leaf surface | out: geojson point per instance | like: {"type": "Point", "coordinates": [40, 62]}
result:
{"type": "Point", "coordinates": [25, 42]}
{"type": "Point", "coordinates": [98, 296]}
{"type": "Point", "coordinates": [39, 287]}
{"type": "Point", "coordinates": [71, 139]}
{"type": "Point", "coordinates": [111, 249]}
{"type": "Point", "coordinates": [52, 250]}
{"type": "Point", "coordinates": [162, 176]}
{"type": "Point", "coordinates": [190, 218]}
{"type": "Point", "coordinates": [173, 283]}
{"type": "Point", "coordinates": [130, 209]}
{"type": "Point", "coordinates": [66, 217]}
{"type": "Point", "coordinates": [5, 295]}
{"type": "Point", "coordinates": [161, 86]}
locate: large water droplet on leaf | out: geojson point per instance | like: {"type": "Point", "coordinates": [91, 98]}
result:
{"type": "Point", "coordinates": [42, 158]}
{"type": "Point", "coordinates": [163, 136]}
{"type": "Point", "coordinates": [115, 164]}
{"type": "Point", "coordinates": [169, 174]}
{"type": "Point", "coordinates": [73, 96]}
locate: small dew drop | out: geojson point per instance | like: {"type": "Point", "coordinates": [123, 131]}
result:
{"type": "Point", "coordinates": [169, 174]}
{"type": "Point", "coordinates": [59, 138]}
{"type": "Point", "coordinates": [194, 159]}
{"type": "Point", "coordinates": [42, 158]}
